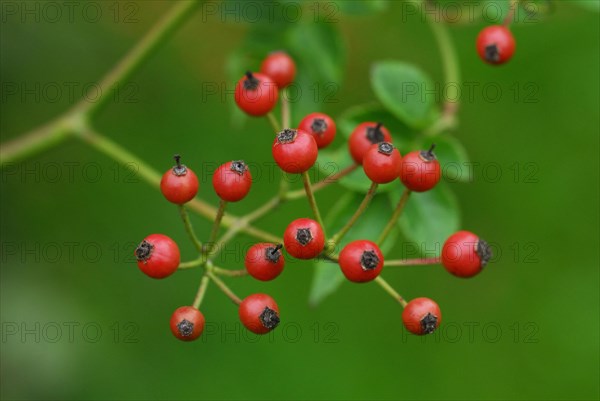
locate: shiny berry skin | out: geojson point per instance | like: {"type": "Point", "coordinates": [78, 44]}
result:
{"type": "Point", "coordinates": [420, 170]}
{"type": "Point", "coordinates": [256, 94]}
{"type": "Point", "coordinates": [495, 44]}
{"type": "Point", "coordinates": [232, 181]}
{"type": "Point", "coordinates": [304, 239]}
{"type": "Point", "coordinates": [382, 163]}
{"type": "Point", "coordinates": [179, 184]}
{"type": "Point", "coordinates": [361, 261]}
{"type": "Point", "coordinates": [259, 313]}
{"type": "Point", "coordinates": [157, 256]}
{"type": "Point", "coordinates": [187, 323]}
{"type": "Point", "coordinates": [280, 67]}
{"type": "Point", "coordinates": [364, 136]}
{"type": "Point", "coordinates": [464, 254]}
{"type": "Point", "coordinates": [294, 151]}
{"type": "Point", "coordinates": [421, 316]}
{"type": "Point", "coordinates": [264, 261]}
{"type": "Point", "coordinates": [320, 126]}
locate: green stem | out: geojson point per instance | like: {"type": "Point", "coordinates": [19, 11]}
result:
{"type": "Point", "coordinates": [151, 176]}
{"type": "Point", "coordinates": [122, 155]}
{"type": "Point", "coordinates": [311, 199]}
{"type": "Point", "coordinates": [449, 61]}
{"type": "Point", "coordinates": [201, 291]}
{"type": "Point", "coordinates": [273, 121]}
{"type": "Point", "coordinates": [223, 287]}
{"type": "Point", "coordinates": [390, 290]}
{"type": "Point", "coordinates": [192, 263]}
{"type": "Point", "coordinates": [36, 141]}
{"type": "Point", "coordinates": [512, 8]}
{"type": "Point", "coordinates": [413, 262]}
{"type": "Point", "coordinates": [263, 210]}
{"type": "Point", "coordinates": [74, 121]}
{"type": "Point", "coordinates": [322, 184]}
{"type": "Point", "coordinates": [222, 242]}
{"type": "Point", "coordinates": [329, 254]}
{"type": "Point", "coordinates": [361, 209]}
{"type": "Point", "coordinates": [395, 216]}
{"type": "Point", "coordinates": [216, 225]}
{"type": "Point", "coordinates": [188, 227]}
{"type": "Point", "coordinates": [229, 273]}
{"type": "Point", "coordinates": [247, 219]}
{"type": "Point", "coordinates": [451, 67]}
{"type": "Point", "coordinates": [157, 35]}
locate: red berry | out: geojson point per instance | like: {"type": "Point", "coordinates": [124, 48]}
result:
{"type": "Point", "coordinates": [464, 254]}
{"type": "Point", "coordinates": [361, 261]}
{"type": "Point", "coordinates": [259, 313]}
{"type": "Point", "coordinates": [382, 163]}
{"type": "Point", "coordinates": [364, 136]}
{"type": "Point", "coordinates": [256, 94]}
{"type": "Point", "coordinates": [294, 151]}
{"type": "Point", "coordinates": [495, 44]}
{"type": "Point", "coordinates": [157, 256]}
{"type": "Point", "coordinates": [304, 239]}
{"type": "Point", "coordinates": [420, 170]}
{"type": "Point", "coordinates": [187, 323]}
{"type": "Point", "coordinates": [280, 68]}
{"type": "Point", "coordinates": [179, 184]}
{"type": "Point", "coordinates": [232, 181]}
{"type": "Point", "coordinates": [421, 316]}
{"type": "Point", "coordinates": [320, 126]}
{"type": "Point", "coordinates": [264, 261]}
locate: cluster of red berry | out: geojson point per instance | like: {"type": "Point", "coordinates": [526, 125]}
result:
{"type": "Point", "coordinates": [295, 151]}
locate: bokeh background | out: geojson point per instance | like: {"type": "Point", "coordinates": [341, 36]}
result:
{"type": "Point", "coordinates": [526, 328]}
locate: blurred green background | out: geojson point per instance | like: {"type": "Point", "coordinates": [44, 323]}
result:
{"type": "Point", "coordinates": [526, 328]}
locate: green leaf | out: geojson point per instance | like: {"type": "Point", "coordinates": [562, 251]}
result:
{"type": "Point", "coordinates": [429, 217]}
{"type": "Point", "coordinates": [319, 50]}
{"type": "Point", "coordinates": [328, 277]}
{"type": "Point", "coordinates": [362, 7]}
{"type": "Point", "coordinates": [319, 53]}
{"type": "Point", "coordinates": [326, 280]}
{"type": "Point", "coordinates": [404, 91]}
{"type": "Point", "coordinates": [402, 135]}
{"type": "Point", "coordinates": [452, 156]}
{"type": "Point", "coordinates": [332, 161]}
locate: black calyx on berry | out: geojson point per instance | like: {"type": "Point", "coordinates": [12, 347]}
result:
{"type": "Point", "coordinates": [484, 251]}
{"type": "Point", "coordinates": [269, 318]}
{"type": "Point", "coordinates": [374, 134]}
{"type": "Point", "coordinates": [144, 251]}
{"type": "Point", "coordinates": [273, 253]}
{"type": "Point", "coordinates": [318, 126]}
{"type": "Point", "coordinates": [386, 148]}
{"type": "Point", "coordinates": [369, 260]}
{"type": "Point", "coordinates": [429, 323]}
{"type": "Point", "coordinates": [492, 54]}
{"type": "Point", "coordinates": [288, 135]}
{"type": "Point", "coordinates": [185, 328]}
{"type": "Point", "coordinates": [251, 82]}
{"type": "Point", "coordinates": [238, 166]}
{"type": "Point", "coordinates": [428, 155]}
{"type": "Point", "coordinates": [303, 236]}
{"type": "Point", "coordinates": [179, 169]}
